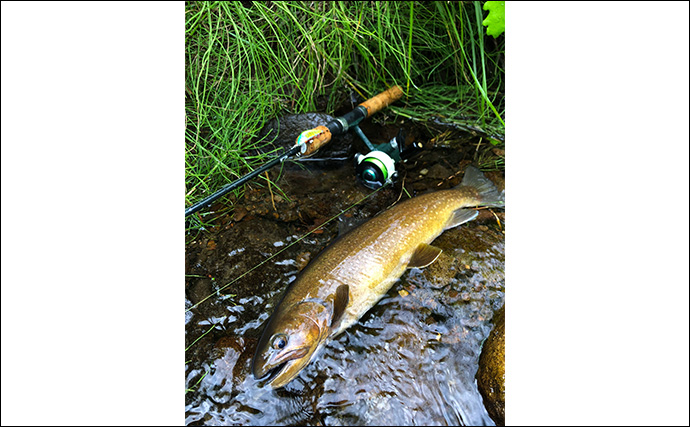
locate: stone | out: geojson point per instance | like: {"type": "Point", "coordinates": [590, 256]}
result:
{"type": "Point", "coordinates": [491, 372]}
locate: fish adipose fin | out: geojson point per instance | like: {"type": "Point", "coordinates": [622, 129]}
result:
{"type": "Point", "coordinates": [461, 216]}
{"type": "Point", "coordinates": [342, 297]}
{"type": "Point", "coordinates": [487, 190]}
{"type": "Point", "coordinates": [424, 255]}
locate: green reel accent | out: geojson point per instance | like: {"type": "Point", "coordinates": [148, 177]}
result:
{"type": "Point", "coordinates": [380, 165]}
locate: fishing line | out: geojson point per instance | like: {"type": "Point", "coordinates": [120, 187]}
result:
{"type": "Point", "coordinates": [202, 335]}
{"type": "Point", "coordinates": [287, 247]}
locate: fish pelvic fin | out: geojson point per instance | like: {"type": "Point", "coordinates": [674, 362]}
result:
{"type": "Point", "coordinates": [424, 255]}
{"type": "Point", "coordinates": [342, 298]}
{"type": "Point", "coordinates": [490, 197]}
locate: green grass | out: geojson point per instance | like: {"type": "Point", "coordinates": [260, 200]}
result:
{"type": "Point", "coordinates": [248, 64]}
{"type": "Point", "coordinates": [193, 389]}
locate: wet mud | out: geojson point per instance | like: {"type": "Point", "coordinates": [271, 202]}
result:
{"type": "Point", "coordinates": [412, 359]}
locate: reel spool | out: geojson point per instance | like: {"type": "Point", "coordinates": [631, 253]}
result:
{"type": "Point", "coordinates": [378, 167]}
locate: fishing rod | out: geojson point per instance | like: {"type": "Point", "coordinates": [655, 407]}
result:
{"type": "Point", "coordinates": [375, 169]}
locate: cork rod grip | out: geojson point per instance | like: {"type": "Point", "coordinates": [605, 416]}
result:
{"type": "Point", "coordinates": [382, 100]}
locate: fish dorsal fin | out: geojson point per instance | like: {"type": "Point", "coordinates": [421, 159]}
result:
{"type": "Point", "coordinates": [342, 297]}
{"type": "Point", "coordinates": [424, 255]}
{"type": "Point", "coordinates": [461, 216]}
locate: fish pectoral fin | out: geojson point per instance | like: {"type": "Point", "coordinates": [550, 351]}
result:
{"type": "Point", "coordinates": [424, 255]}
{"type": "Point", "coordinates": [342, 298]}
{"type": "Point", "coordinates": [461, 216]}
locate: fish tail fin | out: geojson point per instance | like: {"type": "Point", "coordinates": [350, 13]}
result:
{"type": "Point", "coordinates": [488, 192]}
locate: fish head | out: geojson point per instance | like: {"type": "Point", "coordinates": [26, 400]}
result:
{"type": "Point", "coordinates": [289, 341]}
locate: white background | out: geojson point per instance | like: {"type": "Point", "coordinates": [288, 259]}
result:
{"type": "Point", "coordinates": [597, 213]}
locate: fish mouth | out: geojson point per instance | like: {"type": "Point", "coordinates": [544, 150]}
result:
{"type": "Point", "coordinates": [278, 376]}
{"type": "Point", "coordinates": [262, 366]}
{"type": "Point", "coordinates": [282, 373]}
{"type": "Point", "coordinates": [268, 374]}
{"type": "Point", "coordinates": [273, 373]}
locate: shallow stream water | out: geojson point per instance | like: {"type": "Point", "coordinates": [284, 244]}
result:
{"type": "Point", "coordinates": [410, 360]}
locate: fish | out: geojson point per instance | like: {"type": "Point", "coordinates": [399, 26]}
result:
{"type": "Point", "coordinates": [354, 272]}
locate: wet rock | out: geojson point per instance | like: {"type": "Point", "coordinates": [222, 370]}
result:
{"type": "Point", "coordinates": [419, 186]}
{"type": "Point", "coordinates": [200, 290]}
{"type": "Point", "coordinates": [302, 260]}
{"type": "Point", "coordinates": [491, 372]}
{"type": "Point", "coordinates": [232, 354]}
{"type": "Point", "coordinates": [437, 171]}
{"type": "Point", "coordinates": [240, 213]}
{"type": "Point", "coordinates": [439, 273]}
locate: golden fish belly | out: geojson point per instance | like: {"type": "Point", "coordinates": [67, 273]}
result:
{"type": "Point", "coordinates": [372, 256]}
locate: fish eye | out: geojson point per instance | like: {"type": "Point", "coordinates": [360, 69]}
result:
{"type": "Point", "coordinates": [279, 341]}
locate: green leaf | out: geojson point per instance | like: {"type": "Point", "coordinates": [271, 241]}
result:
{"type": "Point", "coordinates": [496, 21]}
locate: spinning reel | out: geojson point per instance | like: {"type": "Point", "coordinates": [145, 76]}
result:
{"type": "Point", "coordinates": [378, 167]}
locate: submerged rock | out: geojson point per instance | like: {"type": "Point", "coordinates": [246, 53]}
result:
{"type": "Point", "coordinates": [491, 372]}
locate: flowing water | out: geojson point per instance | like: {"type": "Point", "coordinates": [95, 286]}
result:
{"type": "Point", "coordinates": [410, 360]}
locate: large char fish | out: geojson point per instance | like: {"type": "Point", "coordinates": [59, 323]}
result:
{"type": "Point", "coordinates": [351, 275]}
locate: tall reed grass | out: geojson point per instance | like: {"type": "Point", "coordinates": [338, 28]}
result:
{"type": "Point", "coordinates": [248, 62]}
